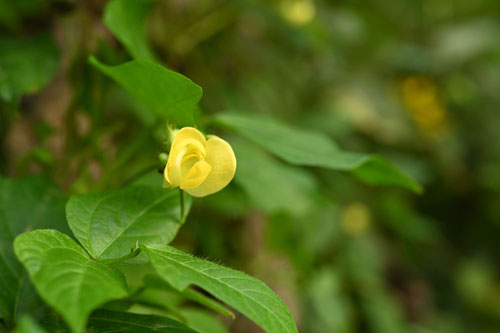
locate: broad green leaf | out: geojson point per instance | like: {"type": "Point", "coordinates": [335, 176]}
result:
{"type": "Point", "coordinates": [202, 321]}
{"type": "Point", "coordinates": [271, 184]}
{"type": "Point", "coordinates": [127, 20]}
{"type": "Point", "coordinates": [26, 65]}
{"type": "Point", "coordinates": [27, 325]}
{"type": "Point", "coordinates": [246, 294]}
{"type": "Point", "coordinates": [309, 148]}
{"type": "Point", "coordinates": [166, 93]}
{"type": "Point", "coordinates": [110, 224]}
{"type": "Point", "coordinates": [65, 277]}
{"type": "Point", "coordinates": [25, 204]}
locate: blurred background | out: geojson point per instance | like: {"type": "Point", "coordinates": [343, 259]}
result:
{"type": "Point", "coordinates": [416, 81]}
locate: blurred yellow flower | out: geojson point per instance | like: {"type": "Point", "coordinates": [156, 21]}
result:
{"type": "Point", "coordinates": [298, 12]}
{"type": "Point", "coordinates": [197, 165]}
{"type": "Point", "coordinates": [421, 96]}
{"type": "Point", "coordinates": [356, 218]}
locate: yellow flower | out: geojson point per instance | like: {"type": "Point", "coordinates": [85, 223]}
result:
{"type": "Point", "coordinates": [197, 165]}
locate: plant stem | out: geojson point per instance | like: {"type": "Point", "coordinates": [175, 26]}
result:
{"type": "Point", "coordinates": [183, 209]}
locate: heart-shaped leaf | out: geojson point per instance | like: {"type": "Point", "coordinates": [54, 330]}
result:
{"type": "Point", "coordinates": [248, 295]}
{"type": "Point", "coordinates": [65, 277]}
{"type": "Point", "coordinates": [110, 224]}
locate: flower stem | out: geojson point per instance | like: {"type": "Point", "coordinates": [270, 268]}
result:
{"type": "Point", "coordinates": [183, 208]}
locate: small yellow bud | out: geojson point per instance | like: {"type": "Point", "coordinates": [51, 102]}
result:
{"type": "Point", "coordinates": [197, 165]}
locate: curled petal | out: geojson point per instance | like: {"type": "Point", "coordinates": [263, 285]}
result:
{"type": "Point", "coordinates": [186, 142]}
{"type": "Point", "coordinates": [196, 175]}
{"type": "Point", "coordinates": [220, 156]}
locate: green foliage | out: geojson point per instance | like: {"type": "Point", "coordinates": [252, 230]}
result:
{"type": "Point", "coordinates": [103, 321]}
{"type": "Point", "coordinates": [27, 325]}
{"type": "Point", "coordinates": [245, 293]}
{"type": "Point", "coordinates": [27, 64]}
{"type": "Point", "coordinates": [292, 186]}
{"type": "Point", "coordinates": [127, 20]}
{"type": "Point", "coordinates": [166, 93]}
{"type": "Point", "coordinates": [402, 79]}
{"type": "Point", "coordinates": [25, 204]}
{"type": "Point", "coordinates": [309, 148]}
{"type": "Point", "coordinates": [155, 282]}
{"type": "Point", "coordinates": [11, 13]}
{"type": "Point", "coordinates": [110, 224]}
{"type": "Point", "coordinates": [65, 276]}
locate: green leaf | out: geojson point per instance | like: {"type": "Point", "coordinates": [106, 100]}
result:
{"type": "Point", "coordinates": [127, 20]}
{"type": "Point", "coordinates": [25, 204]}
{"type": "Point", "coordinates": [309, 148]}
{"type": "Point", "coordinates": [110, 224]}
{"type": "Point", "coordinates": [65, 277]}
{"type": "Point", "coordinates": [106, 321]}
{"type": "Point", "coordinates": [166, 93]}
{"type": "Point", "coordinates": [246, 294]}
{"type": "Point", "coordinates": [26, 65]}
{"type": "Point", "coordinates": [291, 186]}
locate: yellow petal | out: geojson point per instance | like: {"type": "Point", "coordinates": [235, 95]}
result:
{"type": "Point", "coordinates": [188, 133]}
{"type": "Point", "coordinates": [166, 179]}
{"type": "Point", "coordinates": [220, 156]}
{"type": "Point", "coordinates": [196, 175]}
{"type": "Point", "coordinates": [187, 141]}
